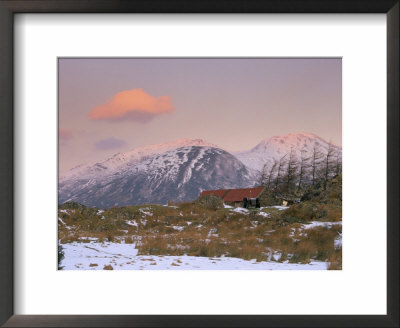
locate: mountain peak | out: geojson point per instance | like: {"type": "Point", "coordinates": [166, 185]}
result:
{"type": "Point", "coordinates": [296, 140]}
{"type": "Point", "coordinates": [177, 174]}
{"type": "Point", "coordinates": [277, 146]}
{"type": "Point", "coordinates": [119, 160]}
{"type": "Point", "coordinates": [155, 148]}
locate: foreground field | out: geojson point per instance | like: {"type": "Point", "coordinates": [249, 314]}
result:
{"type": "Point", "coordinates": [190, 236]}
{"type": "Point", "coordinates": [114, 256]}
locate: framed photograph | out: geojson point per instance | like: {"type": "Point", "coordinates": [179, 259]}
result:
{"type": "Point", "coordinates": [224, 164]}
{"type": "Point", "coordinates": [184, 203]}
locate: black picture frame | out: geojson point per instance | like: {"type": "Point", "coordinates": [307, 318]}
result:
{"type": "Point", "coordinates": [10, 7]}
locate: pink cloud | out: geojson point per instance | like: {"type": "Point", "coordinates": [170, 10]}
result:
{"type": "Point", "coordinates": [65, 134]}
{"type": "Point", "coordinates": [134, 105]}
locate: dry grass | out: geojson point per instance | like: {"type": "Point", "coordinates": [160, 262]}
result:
{"type": "Point", "coordinates": [212, 232]}
{"type": "Point", "coordinates": [311, 211]}
{"type": "Point", "coordinates": [335, 260]}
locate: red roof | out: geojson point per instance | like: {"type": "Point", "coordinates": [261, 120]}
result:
{"type": "Point", "coordinates": [219, 193]}
{"type": "Point", "coordinates": [237, 195]}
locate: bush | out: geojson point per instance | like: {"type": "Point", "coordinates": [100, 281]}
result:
{"type": "Point", "coordinates": [301, 213]}
{"type": "Point", "coordinates": [310, 211]}
{"type": "Point", "coordinates": [210, 202]}
{"type": "Point", "coordinates": [332, 194]}
{"type": "Point", "coordinates": [71, 205]}
{"type": "Point", "coordinates": [269, 198]}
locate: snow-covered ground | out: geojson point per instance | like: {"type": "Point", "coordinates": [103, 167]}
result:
{"type": "Point", "coordinates": [280, 208]}
{"type": "Point", "coordinates": [315, 224]}
{"type": "Point", "coordinates": [142, 210]}
{"type": "Point", "coordinates": [266, 215]}
{"type": "Point", "coordinates": [95, 255]}
{"type": "Point", "coordinates": [241, 210]}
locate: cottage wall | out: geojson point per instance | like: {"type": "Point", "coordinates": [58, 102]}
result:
{"type": "Point", "coordinates": [234, 204]}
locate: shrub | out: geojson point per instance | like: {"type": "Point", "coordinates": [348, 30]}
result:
{"type": "Point", "coordinates": [210, 202]}
{"type": "Point", "coordinates": [309, 211]}
{"type": "Point", "coordinates": [335, 260]}
{"type": "Point", "coordinates": [268, 198]}
{"type": "Point", "coordinates": [108, 267]}
{"type": "Point", "coordinates": [71, 205]}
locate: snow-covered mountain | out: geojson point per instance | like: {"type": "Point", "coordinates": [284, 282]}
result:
{"type": "Point", "coordinates": [276, 147]}
{"type": "Point", "coordinates": [126, 159]}
{"type": "Point", "coordinates": [176, 171]}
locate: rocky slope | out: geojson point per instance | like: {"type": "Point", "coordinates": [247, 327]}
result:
{"type": "Point", "coordinates": [177, 174]}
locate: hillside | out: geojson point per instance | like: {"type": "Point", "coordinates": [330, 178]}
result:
{"type": "Point", "coordinates": [175, 175]}
{"type": "Point", "coordinates": [276, 147]}
{"type": "Point", "coordinates": [177, 171]}
{"type": "Point", "coordinates": [193, 236]}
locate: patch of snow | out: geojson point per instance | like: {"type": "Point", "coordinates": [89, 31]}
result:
{"type": "Point", "coordinates": [188, 172]}
{"type": "Point", "coordinates": [338, 242]}
{"type": "Point", "coordinates": [178, 228]}
{"type": "Point", "coordinates": [132, 223]}
{"type": "Point", "coordinates": [61, 220]}
{"type": "Point", "coordinates": [89, 238]}
{"type": "Point", "coordinates": [94, 256]}
{"type": "Point", "coordinates": [281, 208]}
{"type": "Point", "coordinates": [264, 214]}
{"type": "Point", "coordinates": [64, 211]}
{"type": "Point", "coordinates": [315, 224]}
{"type": "Point", "coordinates": [277, 256]}
{"type": "Point", "coordinates": [213, 233]}
{"type": "Point", "coordinates": [145, 212]}
{"type": "Point", "coordinates": [241, 210]}
{"type": "Point", "coordinates": [227, 206]}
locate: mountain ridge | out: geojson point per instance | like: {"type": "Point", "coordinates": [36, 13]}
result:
{"type": "Point", "coordinates": [175, 175]}
{"type": "Point", "coordinates": [175, 171]}
{"type": "Point", "coordinates": [277, 146]}
{"type": "Point", "coordinates": [117, 160]}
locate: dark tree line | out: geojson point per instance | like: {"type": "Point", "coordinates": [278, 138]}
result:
{"type": "Point", "coordinates": [292, 173]}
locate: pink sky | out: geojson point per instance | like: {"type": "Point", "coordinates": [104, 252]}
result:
{"type": "Point", "coordinates": [112, 105]}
